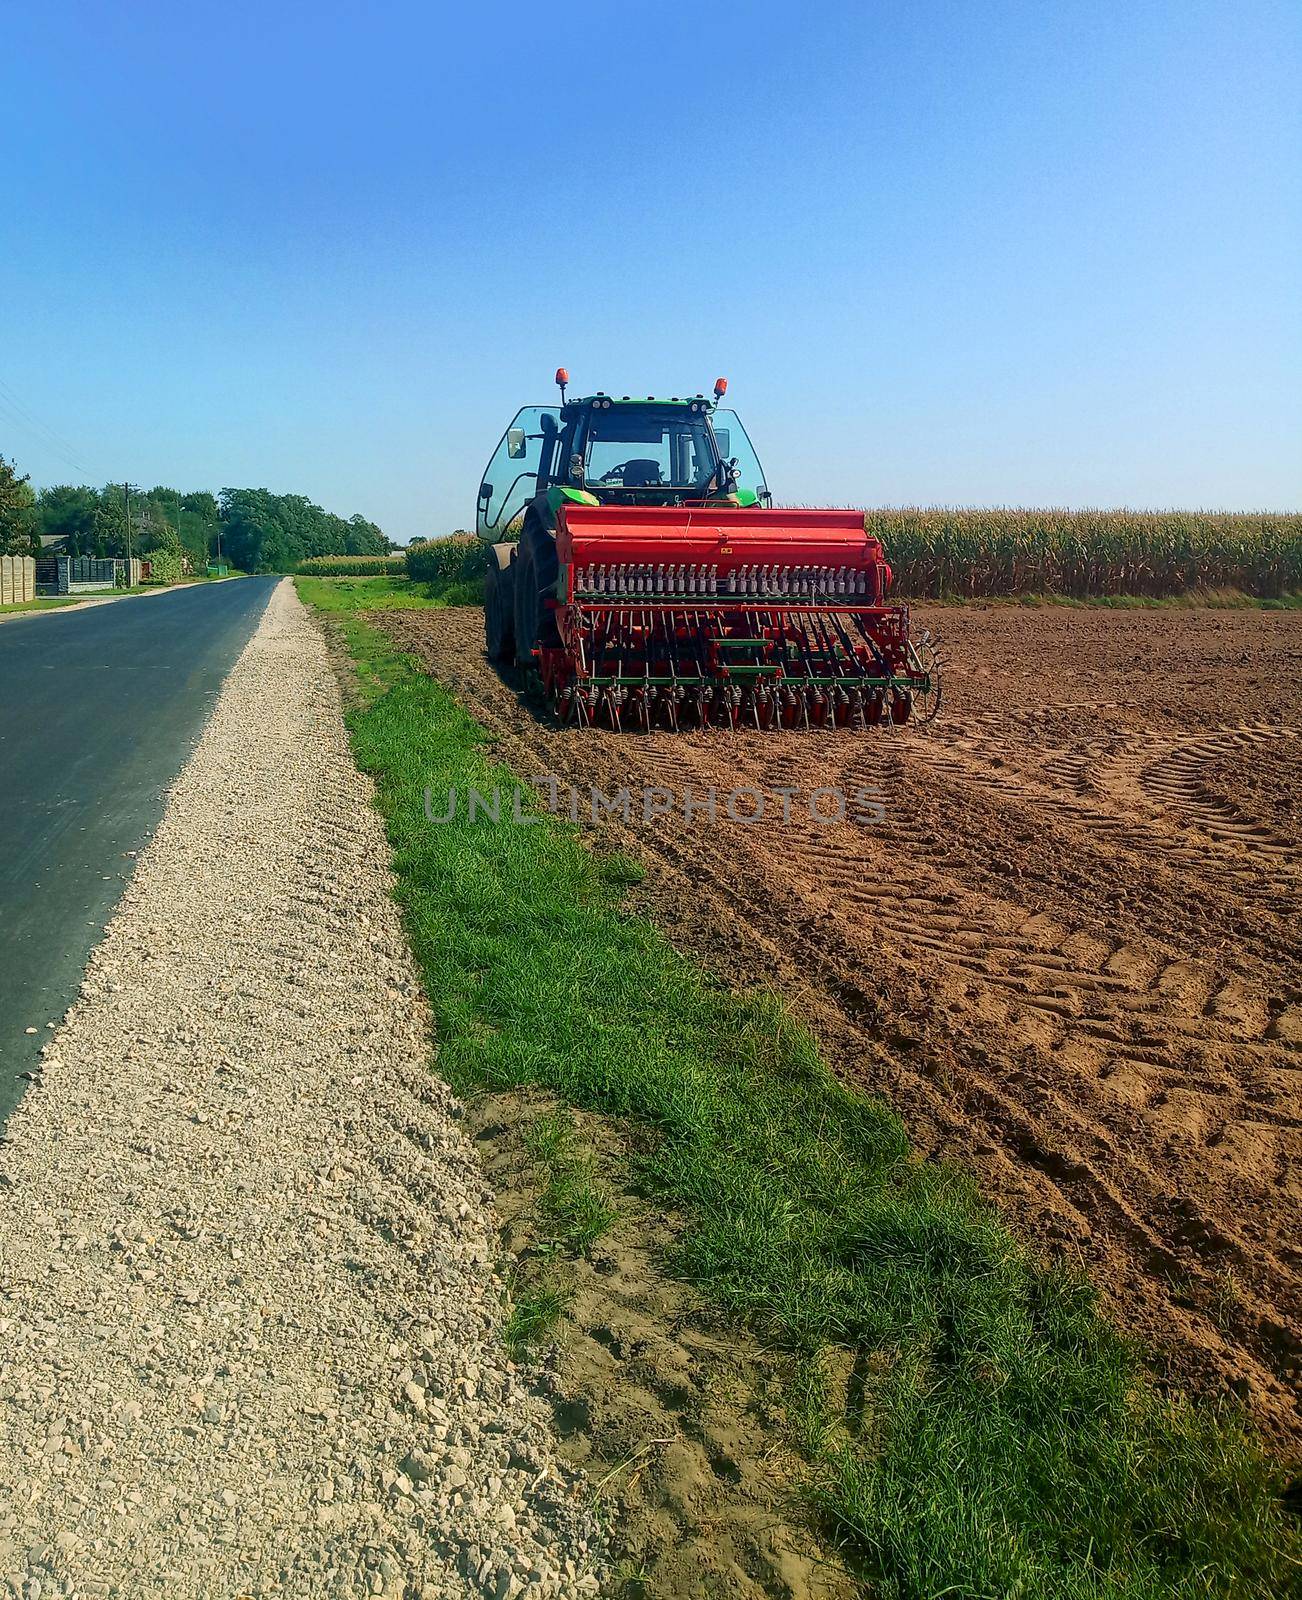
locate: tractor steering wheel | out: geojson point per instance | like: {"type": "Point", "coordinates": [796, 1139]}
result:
{"type": "Point", "coordinates": [648, 475]}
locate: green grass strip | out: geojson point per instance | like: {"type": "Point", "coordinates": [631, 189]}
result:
{"type": "Point", "coordinates": [998, 1438]}
{"type": "Point", "coordinates": [574, 1211]}
{"type": "Point", "coordinates": [382, 594]}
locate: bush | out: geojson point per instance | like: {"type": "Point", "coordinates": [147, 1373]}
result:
{"type": "Point", "coordinates": [353, 566]}
{"type": "Point", "coordinates": [164, 565]}
{"type": "Point", "coordinates": [457, 560]}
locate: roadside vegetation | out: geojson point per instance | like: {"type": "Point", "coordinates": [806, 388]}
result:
{"type": "Point", "coordinates": [255, 530]}
{"type": "Point", "coordinates": [998, 1438]}
{"type": "Point", "coordinates": [453, 567]}
{"type": "Point", "coordinates": [448, 569]}
{"type": "Point", "coordinates": [574, 1210]}
{"type": "Point", "coordinates": [378, 594]}
{"type": "Point", "coordinates": [42, 603]}
{"type": "Point", "coordinates": [353, 566]}
{"type": "Point", "coordinates": [57, 602]}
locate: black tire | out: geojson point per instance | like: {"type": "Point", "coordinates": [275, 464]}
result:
{"type": "Point", "coordinates": [536, 569]}
{"type": "Point", "coordinates": [499, 611]}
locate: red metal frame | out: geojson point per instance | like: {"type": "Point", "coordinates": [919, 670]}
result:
{"type": "Point", "coordinates": [767, 657]}
{"type": "Point", "coordinates": [726, 536]}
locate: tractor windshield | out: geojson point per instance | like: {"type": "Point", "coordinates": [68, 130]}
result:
{"type": "Point", "coordinates": [647, 447]}
{"type": "Point", "coordinates": [510, 479]}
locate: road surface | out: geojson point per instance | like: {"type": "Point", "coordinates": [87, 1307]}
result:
{"type": "Point", "coordinates": [98, 711]}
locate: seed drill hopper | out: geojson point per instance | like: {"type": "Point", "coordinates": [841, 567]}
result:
{"type": "Point", "coordinates": [636, 561]}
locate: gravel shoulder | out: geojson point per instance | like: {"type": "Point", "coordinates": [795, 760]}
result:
{"type": "Point", "coordinates": [249, 1310]}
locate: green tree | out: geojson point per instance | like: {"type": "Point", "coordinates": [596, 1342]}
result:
{"type": "Point", "coordinates": [200, 520]}
{"type": "Point", "coordinates": [110, 522]}
{"type": "Point", "coordinates": [69, 513]}
{"type": "Point", "coordinates": [168, 557]}
{"type": "Point", "coordinates": [153, 522]}
{"type": "Point", "coordinates": [265, 532]}
{"type": "Point", "coordinates": [193, 518]}
{"type": "Point", "coordinates": [364, 538]}
{"type": "Point", "coordinates": [18, 518]}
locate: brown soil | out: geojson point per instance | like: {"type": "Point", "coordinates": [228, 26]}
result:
{"type": "Point", "coordinates": [1068, 953]}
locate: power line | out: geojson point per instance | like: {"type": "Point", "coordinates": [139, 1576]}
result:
{"type": "Point", "coordinates": [18, 414]}
{"type": "Point", "coordinates": [77, 467]}
{"type": "Point", "coordinates": [74, 463]}
{"type": "Point", "coordinates": [52, 434]}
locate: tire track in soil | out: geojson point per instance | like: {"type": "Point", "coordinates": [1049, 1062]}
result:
{"type": "Point", "coordinates": [1065, 957]}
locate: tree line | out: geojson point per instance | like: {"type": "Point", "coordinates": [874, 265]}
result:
{"type": "Point", "coordinates": [255, 530]}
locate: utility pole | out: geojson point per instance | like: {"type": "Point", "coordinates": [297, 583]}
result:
{"type": "Point", "coordinates": [126, 501]}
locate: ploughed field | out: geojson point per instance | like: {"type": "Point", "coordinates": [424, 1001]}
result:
{"type": "Point", "coordinates": [1066, 946]}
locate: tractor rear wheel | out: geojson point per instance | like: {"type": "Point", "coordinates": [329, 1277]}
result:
{"type": "Point", "coordinates": [499, 609]}
{"type": "Point", "coordinates": [535, 579]}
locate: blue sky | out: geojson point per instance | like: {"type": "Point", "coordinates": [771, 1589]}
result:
{"type": "Point", "coordinates": [954, 253]}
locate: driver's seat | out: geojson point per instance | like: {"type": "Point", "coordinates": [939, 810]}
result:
{"type": "Point", "coordinates": [642, 474]}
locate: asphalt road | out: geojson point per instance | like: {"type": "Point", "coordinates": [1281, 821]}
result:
{"type": "Point", "coordinates": [98, 711]}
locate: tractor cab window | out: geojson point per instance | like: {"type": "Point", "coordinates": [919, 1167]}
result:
{"type": "Point", "coordinates": [647, 447]}
{"type": "Point", "coordinates": [511, 478]}
{"type": "Point", "coordinates": [735, 443]}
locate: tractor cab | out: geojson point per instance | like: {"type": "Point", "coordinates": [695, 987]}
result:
{"type": "Point", "coordinates": [618, 452]}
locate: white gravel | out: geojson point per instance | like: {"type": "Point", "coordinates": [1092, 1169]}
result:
{"type": "Point", "coordinates": [248, 1301]}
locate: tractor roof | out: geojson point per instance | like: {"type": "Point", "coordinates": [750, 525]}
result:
{"type": "Point", "coordinates": [699, 402]}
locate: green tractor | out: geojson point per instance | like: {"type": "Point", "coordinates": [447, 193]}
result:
{"type": "Point", "coordinates": [636, 561]}
{"type": "Point", "coordinates": [599, 450]}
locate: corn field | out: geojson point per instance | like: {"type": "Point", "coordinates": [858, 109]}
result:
{"type": "Point", "coordinates": [969, 554]}
{"type": "Point", "coordinates": [456, 559]}
{"type": "Point", "coordinates": [1089, 554]}
{"type": "Point", "coordinates": [353, 566]}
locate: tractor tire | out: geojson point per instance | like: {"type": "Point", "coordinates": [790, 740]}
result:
{"type": "Point", "coordinates": [499, 605]}
{"type": "Point", "coordinates": [536, 570]}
